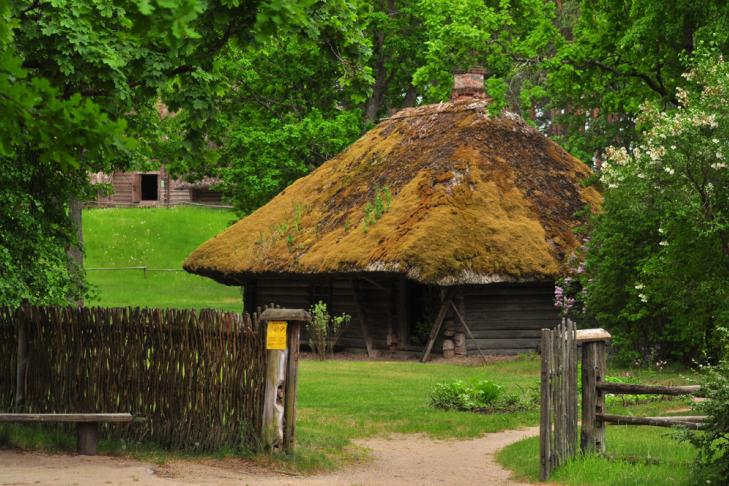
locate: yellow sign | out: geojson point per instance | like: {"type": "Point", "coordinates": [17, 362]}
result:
{"type": "Point", "coordinates": [276, 335]}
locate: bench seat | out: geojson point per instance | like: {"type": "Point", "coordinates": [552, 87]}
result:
{"type": "Point", "coordinates": [87, 425]}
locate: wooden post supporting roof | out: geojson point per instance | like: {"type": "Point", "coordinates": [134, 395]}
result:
{"type": "Point", "coordinates": [445, 305]}
{"type": "Point", "coordinates": [362, 315]}
{"type": "Point", "coordinates": [468, 330]}
{"type": "Point", "coordinates": [403, 328]}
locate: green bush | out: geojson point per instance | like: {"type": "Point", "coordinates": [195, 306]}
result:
{"type": "Point", "coordinates": [712, 462]}
{"type": "Point", "coordinates": [482, 396]}
{"type": "Point", "coordinates": [325, 329]}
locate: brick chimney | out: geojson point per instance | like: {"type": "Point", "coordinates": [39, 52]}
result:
{"type": "Point", "coordinates": [469, 85]}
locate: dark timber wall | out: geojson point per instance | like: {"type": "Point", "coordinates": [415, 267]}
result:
{"type": "Point", "coordinates": [505, 319]}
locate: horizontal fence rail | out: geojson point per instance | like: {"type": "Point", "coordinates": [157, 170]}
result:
{"type": "Point", "coordinates": [637, 389]}
{"type": "Point", "coordinates": [690, 422]}
{"type": "Point", "coordinates": [195, 377]}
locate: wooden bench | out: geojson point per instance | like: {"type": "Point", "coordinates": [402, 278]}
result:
{"type": "Point", "coordinates": [87, 425]}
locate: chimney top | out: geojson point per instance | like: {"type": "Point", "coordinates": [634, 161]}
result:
{"type": "Point", "coordinates": [469, 85]}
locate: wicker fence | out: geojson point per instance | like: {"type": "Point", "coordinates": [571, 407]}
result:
{"type": "Point", "coordinates": [195, 378]}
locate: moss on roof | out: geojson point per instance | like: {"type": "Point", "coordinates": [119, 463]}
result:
{"type": "Point", "coordinates": [443, 193]}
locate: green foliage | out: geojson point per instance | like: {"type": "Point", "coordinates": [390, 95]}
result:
{"type": "Point", "coordinates": [79, 87]}
{"type": "Point", "coordinates": [482, 396]}
{"type": "Point", "coordinates": [324, 329]}
{"type": "Point", "coordinates": [375, 209]}
{"type": "Point", "coordinates": [658, 261]}
{"type": "Point", "coordinates": [614, 56]}
{"type": "Point", "coordinates": [712, 462]}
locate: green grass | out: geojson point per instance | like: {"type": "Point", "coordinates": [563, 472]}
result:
{"type": "Point", "coordinates": [634, 456]}
{"type": "Point", "coordinates": [156, 238]}
{"type": "Point", "coordinates": [340, 401]}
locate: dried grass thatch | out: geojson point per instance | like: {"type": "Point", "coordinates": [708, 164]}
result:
{"type": "Point", "coordinates": [444, 194]}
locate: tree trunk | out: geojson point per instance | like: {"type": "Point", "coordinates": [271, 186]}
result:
{"type": "Point", "coordinates": [75, 250]}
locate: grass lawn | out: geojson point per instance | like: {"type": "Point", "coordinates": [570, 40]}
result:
{"type": "Point", "coordinates": [156, 238]}
{"type": "Point", "coordinates": [634, 456]}
{"type": "Point", "coordinates": [344, 400]}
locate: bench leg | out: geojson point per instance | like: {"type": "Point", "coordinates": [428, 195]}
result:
{"type": "Point", "coordinates": [87, 436]}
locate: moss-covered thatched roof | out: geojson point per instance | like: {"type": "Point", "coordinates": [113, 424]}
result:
{"type": "Point", "coordinates": [443, 194]}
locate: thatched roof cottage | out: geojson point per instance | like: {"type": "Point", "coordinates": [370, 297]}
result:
{"type": "Point", "coordinates": [435, 204]}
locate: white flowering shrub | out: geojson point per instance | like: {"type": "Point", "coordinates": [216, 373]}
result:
{"type": "Point", "coordinates": [657, 265]}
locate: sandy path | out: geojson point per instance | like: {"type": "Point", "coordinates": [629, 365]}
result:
{"type": "Point", "coordinates": [401, 459]}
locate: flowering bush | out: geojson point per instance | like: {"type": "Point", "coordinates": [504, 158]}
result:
{"type": "Point", "coordinates": [657, 264]}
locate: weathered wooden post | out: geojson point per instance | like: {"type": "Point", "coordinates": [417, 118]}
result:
{"type": "Point", "coordinates": [594, 366]}
{"type": "Point", "coordinates": [545, 422]}
{"type": "Point", "coordinates": [21, 358]}
{"type": "Point", "coordinates": [283, 331]}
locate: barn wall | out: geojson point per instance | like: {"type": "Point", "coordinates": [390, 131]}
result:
{"type": "Point", "coordinates": [507, 319]}
{"type": "Point", "coordinates": [337, 292]}
{"type": "Point", "coordinates": [122, 183]}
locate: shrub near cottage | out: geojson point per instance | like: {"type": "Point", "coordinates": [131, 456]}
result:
{"type": "Point", "coordinates": [481, 396]}
{"type": "Point", "coordinates": [657, 263]}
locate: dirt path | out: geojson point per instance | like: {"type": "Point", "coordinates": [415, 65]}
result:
{"type": "Point", "coordinates": [401, 459]}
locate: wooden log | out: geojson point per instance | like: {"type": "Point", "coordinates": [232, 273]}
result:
{"type": "Point", "coordinates": [66, 417]}
{"type": "Point", "coordinates": [630, 388]}
{"type": "Point", "coordinates": [544, 420]}
{"type": "Point", "coordinates": [655, 421]}
{"type": "Point", "coordinates": [292, 380]}
{"type": "Point", "coordinates": [589, 335]}
{"type": "Point", "coordinates": [87, 438]}
{"type": "Point", "coordinates": [589, 397]}
{"type": "Point", "coordinates": [448, 349]}
{"type": "Point", "coordinates": [273, 401]}
{"type": "Point", "coordinates": [437, 324]}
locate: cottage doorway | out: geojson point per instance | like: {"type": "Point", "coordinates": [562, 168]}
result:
{"type": "Point", "coordinates": [150, 184]}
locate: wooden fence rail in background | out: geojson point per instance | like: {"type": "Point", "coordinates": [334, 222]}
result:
{"type": "Point", "coordinates": [558, 424]}
{"type": "Point", "coordinates": [197, 377]}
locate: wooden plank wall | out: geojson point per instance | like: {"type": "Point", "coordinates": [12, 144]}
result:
{"type": "Point", "coordinates": [507, 319]}
{"type": "Point", "coordinates": [297, 293]}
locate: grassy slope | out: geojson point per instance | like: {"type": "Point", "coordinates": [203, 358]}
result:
{"type": "Point", "coordinates": [156, 238]}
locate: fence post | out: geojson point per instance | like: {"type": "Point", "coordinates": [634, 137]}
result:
{"type": "Point", "coordinates": [545, 422]}
{"type": "Point", "coordinates": [594, 365]}
{"type": "Point", "coordinates": [283, 329]}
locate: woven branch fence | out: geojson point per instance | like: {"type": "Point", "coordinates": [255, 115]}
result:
{"type": "Point", "coordinates": [196, 378]}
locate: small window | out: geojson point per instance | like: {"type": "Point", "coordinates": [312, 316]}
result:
{"type": "Point", "coordinates": [149, 187]}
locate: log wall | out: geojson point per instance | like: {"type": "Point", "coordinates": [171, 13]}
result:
{"type": "Point", "coordinates": [507, 319]}
{"type": "Point", "coordinates": [504, 319]}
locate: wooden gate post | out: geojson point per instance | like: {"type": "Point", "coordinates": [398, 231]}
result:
{"type": "Point", "coordinates": [594, 366]}
{"type": "Point", "coordinates": [283, 331]}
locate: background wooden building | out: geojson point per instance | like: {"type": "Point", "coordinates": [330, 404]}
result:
{"type": "Point", "coordinates": [436, 203]}
{"type": "Point", "coordinates": [155, 188]}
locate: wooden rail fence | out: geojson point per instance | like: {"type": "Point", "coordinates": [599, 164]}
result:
{"type": "Point", "coordinates": [558, 425]}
